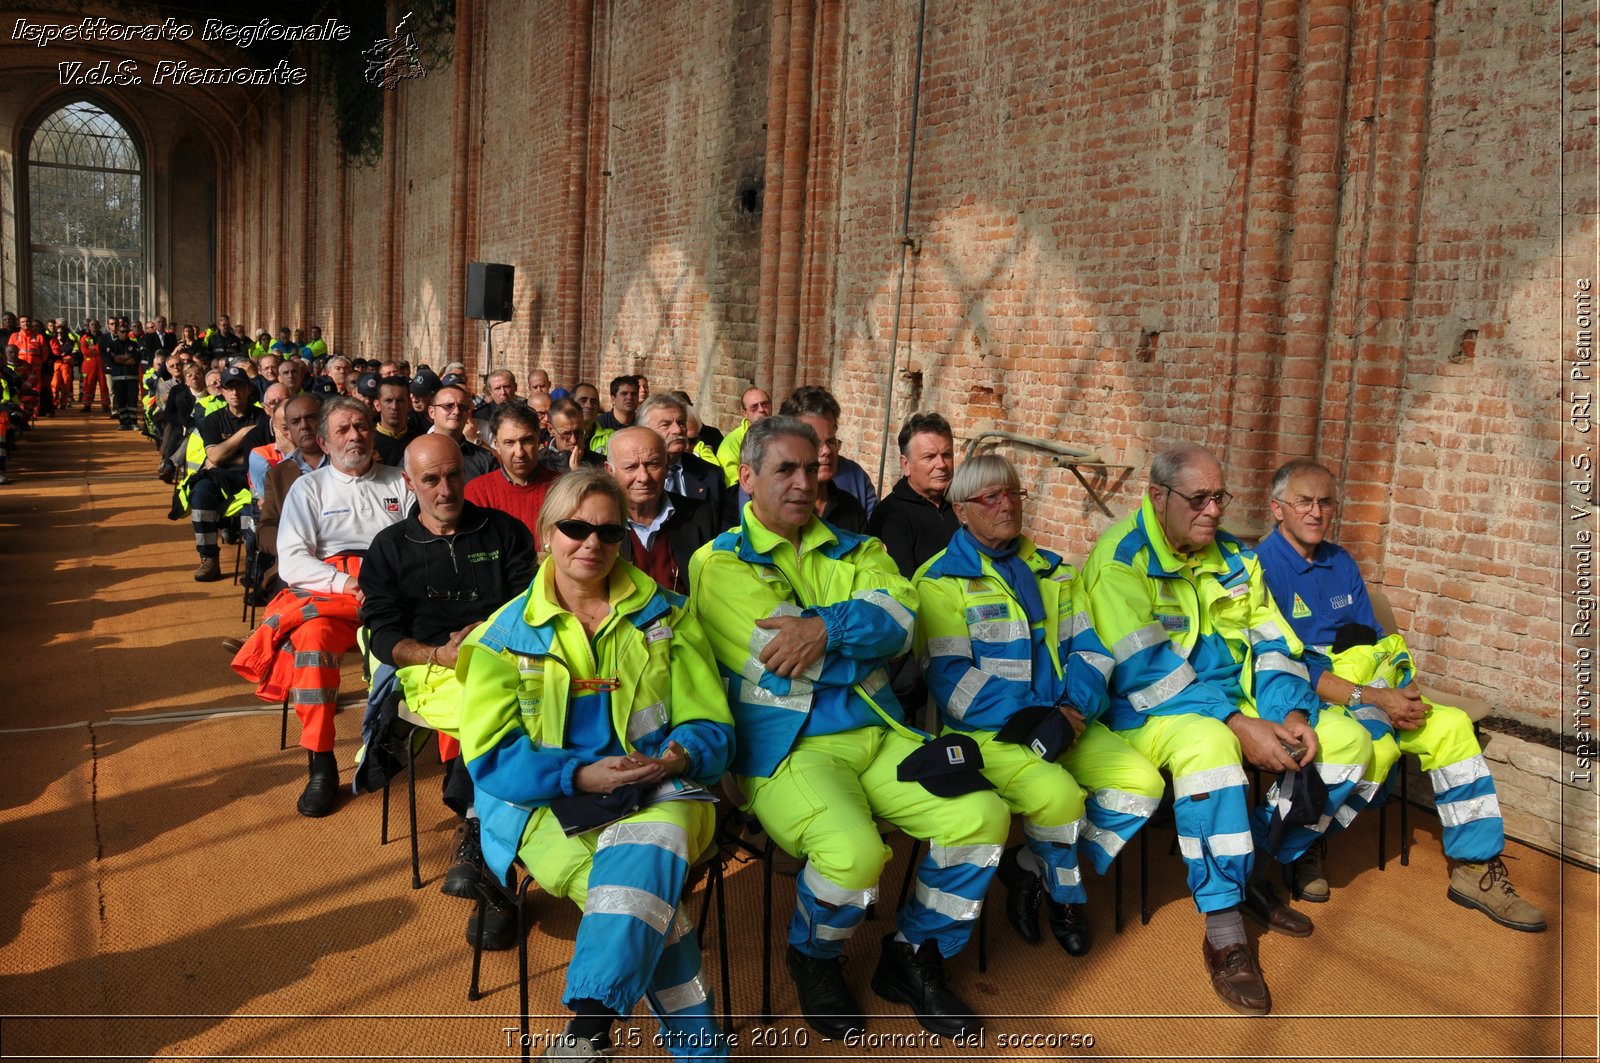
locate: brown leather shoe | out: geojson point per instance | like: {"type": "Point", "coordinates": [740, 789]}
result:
{"type": "Point", "coordinates": [1263, 904]}
{"type": "Point", "coordinates": [233, 646]}
{"type": "Point", "coordinates": [1237, 978]}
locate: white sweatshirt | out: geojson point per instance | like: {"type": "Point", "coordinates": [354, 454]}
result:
{"type": "Point", "coordinates": [327, 512]}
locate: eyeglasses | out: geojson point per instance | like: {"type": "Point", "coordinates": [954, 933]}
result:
{"type": "Point", "coordinates": [991, 499]}
{"type": "Point", "coordinates": [1199, 502]}
{"type": "Point", "coordinates": [1306, 505]}
{"type": "Point", "coordinates": [449, 407]}
{"type": "Point", "coordinates": [579, 530]}
{"type": "Point", "coordinates": [831, 443]}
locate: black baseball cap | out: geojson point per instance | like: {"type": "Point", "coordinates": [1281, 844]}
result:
{"type": "Point", "coordinates": [236, 376]}
{"type": "Point", "coordinates": [1041, 728]}
{"type": "Point", "coordinates": [367, 385]}
{"type": "Point", "coordinates": [426, 382]}
{"type": "Point", "coordinates": [946, 767]}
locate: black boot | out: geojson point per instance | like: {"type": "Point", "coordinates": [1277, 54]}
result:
{"type": "Point", "coordinates": [916, 977]}
{"type": "Point", "coordinates": [1071, 927]}
{"type": "Point", "coordinates": [467, 868]}
{"type": "Point", "coordinates": [317, 798]}
{"type": "Point", "coordinates": [825, 999]}
{"type": "Point", "coordinates": [1024, 893]}
{"type": "Point", "coordinates": [499, 924]}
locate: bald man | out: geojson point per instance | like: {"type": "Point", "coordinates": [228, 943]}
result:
{"type": "Point", "coordinates": [428, 582]}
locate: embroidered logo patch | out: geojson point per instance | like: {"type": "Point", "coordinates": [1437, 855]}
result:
{"type": "Point", "coordinates": [1174, 623]}
{"type": "Point", "coordinates": [1341, 601]}
{"type": "Point", "coordinates": [977, 586]}
{"type": "Point", "coordinates": [1301, 610]}
{"type": "Point", "coordinates": [955, 755]}
{"type": "Point", "coordinates": [977, 614]}
{"type": "Point", "coordinates": [392, 505]}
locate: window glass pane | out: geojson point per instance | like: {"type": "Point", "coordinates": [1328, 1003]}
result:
{"type": "Point", "coordinates": [86, 216]}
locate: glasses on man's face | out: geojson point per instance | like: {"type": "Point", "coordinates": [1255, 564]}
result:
{"type": "Point", "coordinates": [579, 530]}
{"type": "Point", "coordinates": [1306, 505]}
{"type": "Point", "coordinates": [1199, 502]}
{"type": "Point", "coordinates": [448, 407]}
{"type": "Point", "coordinates": [991, 499]}
{"type": "Point", "coordinates": [831, 443]}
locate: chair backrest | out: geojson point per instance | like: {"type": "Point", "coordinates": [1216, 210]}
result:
{"type": "Point", "coordinates": [1382, 611]}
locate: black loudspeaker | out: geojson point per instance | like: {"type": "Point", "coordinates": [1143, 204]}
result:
{"type": "Point", "coordinates": [489, 290]}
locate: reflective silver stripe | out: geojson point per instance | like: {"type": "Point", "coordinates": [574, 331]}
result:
{"type": "Point", "coordinates": [1098, 661]}
{"type": "Point", "coordinates": [830, 893]}
{"type": "Point", "coordinates": [824, 932]}
{"type": "Point", "coordinates": [1200, 782]}
{"type": "Point", "coordinates": [959, 855]}
{"type": "Point", "coordinates": [1281, 662]}
{"type": "Point", "coordinates": [886, 601]}
{"type": "Point", "coordinates": [1458, 774]}
{"type": "Point", "coordinates": [760, 636]}
{"type": "Point", "coordinates": [626, 900]}
{"type": "Point", "coordinates": [1065, 834]}
{"type": "Point", "coordinates": [1189, 847]}
{"type": "Point", "coordinates": [669, 836]}
{"type": "Point", "coordinates": [949, 905]}
{"type": "Point", "coordinates": [876, 680]}
{"type": "Point", "coordinates": [961, 697]}
{"type": "Point", "coordinates": [1239, 844]}
{"type": "Point", "coordinates": [1128, 804]}
{"type": "Point", "coordinates": [1005, 668]}
{"type": "Point", "coordinates": [1265, 632]}
{"type": "Point", "coordinates": [1141, 639]}
{"type": "Point", "coordinates": [643, 721]}
{"type": "Point", "coordinates": [1163, 690]}
{"type": "Point", "coordinates": [1345, 814]}
{"type": "Point", "coordinates": [1068, 876]}
{"type": "Point", "coordinates": [272, 621]}
{"type": "Point", "coordinates": [1078, 623]}
{"type": "Point", "coordinates": [313, 696]}
{"type": "Point", "coordinates": [309, 612]}
{"type": "Point", "coordinates": [1109, 841]}
{"type": "Point", "coordinates": [1333, 774]}
{"type": "Point", "coordinates": [950, 646]}
{"type": "Point", "coordinates": [680, 997]}
{"type": "Point", "coordinates": [1455, 813]}
{"type": "Point", "coordinates": [314, 659]}
{"type": "Point", "coordinates": [1367, 789]}
{"type": "Point", "coordinates": [752, 694]}
{"type": "Point", "coordinates": [998, 630]}
{"type": "Point", "coordinates": [680, 927]}
{"type": "Point", "coordinates": [1373, 713]}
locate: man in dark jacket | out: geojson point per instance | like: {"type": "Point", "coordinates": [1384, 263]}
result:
{"type": "Point", "coordinates": [687, 475]}
{"type": "Point", "coordinates": [429, 581]}
{"type": "Point", "coordinates": [664, 528]}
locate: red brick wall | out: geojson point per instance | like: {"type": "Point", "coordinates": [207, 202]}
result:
{"type": "Point", "coordinates": [1260, 224]}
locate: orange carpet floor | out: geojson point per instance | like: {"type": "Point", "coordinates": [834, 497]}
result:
{"type": "Point", "coordinates": [163, 900]}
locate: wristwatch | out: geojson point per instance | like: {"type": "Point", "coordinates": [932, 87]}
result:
{"type": "Point", "coordinates": [1357, 696]}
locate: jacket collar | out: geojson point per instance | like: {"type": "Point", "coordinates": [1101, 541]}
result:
{"type": "Point", "coordinates": [757, 542]}
{"type": "Point", "coordinates": [473, 520]}
{"type": "Point", "coordinates": [1165, 562]}
{"type": "Point", "coordinates": [961, 558]}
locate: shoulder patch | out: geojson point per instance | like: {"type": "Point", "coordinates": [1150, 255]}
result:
{"type": "Point", "coordinates": [1301, 610]}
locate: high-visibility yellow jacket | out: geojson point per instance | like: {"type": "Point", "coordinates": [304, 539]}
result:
{"type": "Point", "coordinates": [728, 452]}
{"type": "Point", "coordinates": [1197, 634]}
{"type": "Point", "coordinates": [530, 669]}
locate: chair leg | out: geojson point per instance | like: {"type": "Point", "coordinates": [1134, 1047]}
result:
{"type": "Point", "coordinates": [1405, 814]}
{"type": "Point", "coordinates": [1116, 885]}
{"type": "Point", "coordinates": [473, 993]}
{"type": "Point", "coordinates": [766, 933]}
{"type": "Point", "coordinates": [411, 795]}
{"type": "Point", "coordinates": [1144, 876]}
{"type": "Point", "coordinates": [383, 824]}
{"type": "Point", "coordinates": [522, 961]}
{"type": "Point", "coordinates": [283, 727]}
{"type": "Point", "coordinates": [1383, 829]}
{"type": "Point", "coordinates": [722, 948]}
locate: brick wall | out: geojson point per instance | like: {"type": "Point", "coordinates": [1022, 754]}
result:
{"type": "Point", "coordinates": [1276, 228]}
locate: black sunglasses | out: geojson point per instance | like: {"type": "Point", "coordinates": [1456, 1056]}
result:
{"type": "Point", "coordinates": [579, 530]}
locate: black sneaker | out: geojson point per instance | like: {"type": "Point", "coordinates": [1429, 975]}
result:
{"type": "Point", "coordinates": [466, 869]}
{"type": "Point", "coordinates": [916, 977]}
{"type": "Point", "coordinates": [1071, 928]}
{"type": "Point", "coordinates": [499, 924]}
{"type": "Point", "coordinates": [321, 789]}
{"type": "Point", "coordinates": [1024, 894]}
{"type": "Point", "coordinates": [825, 999]}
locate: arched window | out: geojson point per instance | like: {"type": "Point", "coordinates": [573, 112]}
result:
{"type": "Point", "coordinates": [85, 216]}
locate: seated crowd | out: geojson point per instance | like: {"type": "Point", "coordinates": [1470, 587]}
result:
{"type": "Point", "coordinates": [604, 610]}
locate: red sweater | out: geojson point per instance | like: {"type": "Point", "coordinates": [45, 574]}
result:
{"type": "Point", "coordinates": [494, 491]}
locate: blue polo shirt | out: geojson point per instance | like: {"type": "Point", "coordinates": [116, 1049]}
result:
{"type": "Point", "coordinates": [1318, 596]}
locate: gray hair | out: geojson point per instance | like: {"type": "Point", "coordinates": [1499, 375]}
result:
{"type": "Point", "coordinates": [760, 435]}
{"type": "Point", "coordinates": [658, 401]}
{"type": "Point", "coordinates": [1172, 461]}
{"type": "Point", "coordinates": [1289, 470]}
{"type": "Point", "coordinates": [341, 402]}
{"type": "Point", "coordinates": [979, 473]}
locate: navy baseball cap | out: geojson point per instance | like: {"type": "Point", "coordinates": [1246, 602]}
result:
{"type": "Point", "coordinates": [367, 385]}
{"type": "Point", "coordinates": [235, 376]}
{"type": "Point", "coordinates": [426, 382]}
